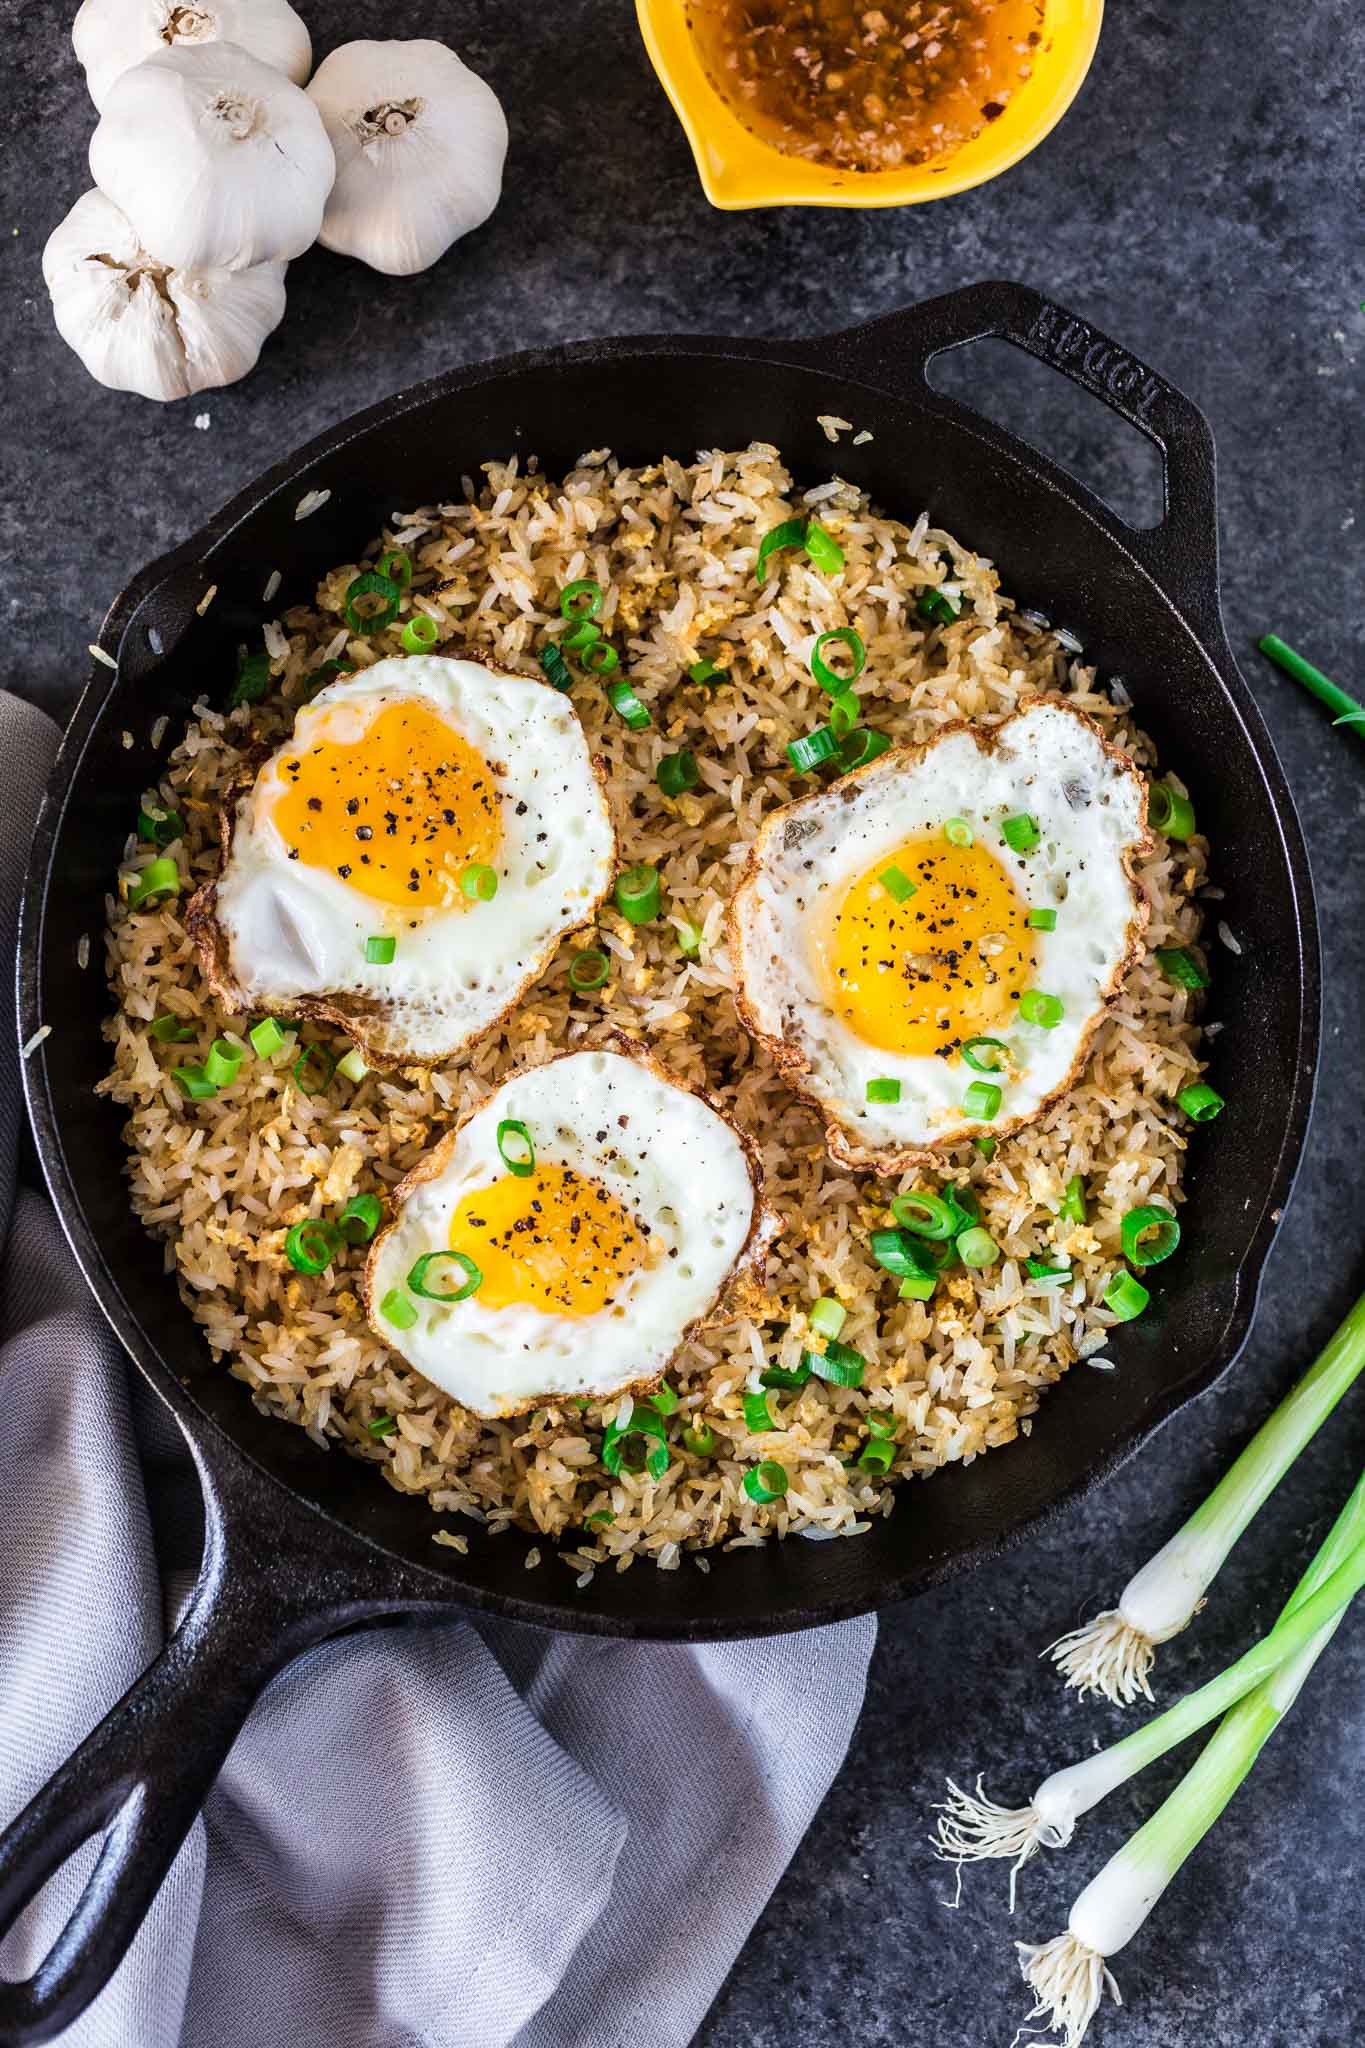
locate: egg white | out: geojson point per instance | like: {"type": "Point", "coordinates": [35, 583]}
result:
{"type": "Point", "coordinates": [292, 932]}
{"type": "Point", "coordinates": [665, 1154]}
{"type": "Point", "coordinates": [1090, 804]}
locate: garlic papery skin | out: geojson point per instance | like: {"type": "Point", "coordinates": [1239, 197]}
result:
{"type": "Point", "coordinates": [110, 36]}
{"type": "Point", "coordinates": [420, 142]}
{"type": "Point", "coordinates": [139, 326]}
{"type": "Point", "coordinates": [219, 162]}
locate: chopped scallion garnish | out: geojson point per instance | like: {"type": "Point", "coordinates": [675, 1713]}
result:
{"type": "Point", "coordinates": [1149, 1235]}
{"type": "Point", "coordinates": [976, 1247]}
{"type": "Point", "coordinates": [885, 1088]}
{"type": "Point", "coordinates": [601, 657]}
{"type": "Point", "coordinates": [877, 1456]}
{"type": "Point", "coordinates": [788, 535]}
{"type": "Point", "coordinates": [1042, 920]}
{"type": "Point", "coordinates": [862, 745]}
{"type": "Point", "coordinates": [1171, 813]}
{"type": "Point", "coordinates": [766, 1481]}
{"type": "Point", "coordinates": [420, 634]}
{"type": "Point", "coordinates": [704, 672]}
{"type": "Point", "coordinates": [677, 772]}
{"type": "Point", "coordinates": [515, 1147]}
{"type": "Point", "coordinates": [828, 1316]}
{"type": "Point", "coordinates": [822, 548]}
{"type": "Point", "coordinates": [581, 600]}
{"type": "Point", "coordinates": [382, 1426]}
{"type": "Point", "coordinates": [222, 1063]}
{"type": "Point", "coordinates": [397, 566]}
{"type": "Point", "coordinates": [1200, 1102]}
{"type": "Point", "coordinates": [426, 1277]}
{"type": "Point", "coordinates": [958, 832]}
{"type": "Point", "coordinates": [897, 884]}
{"type": "Point", "coordinates": [837, 1363]}
{"type": "Point", "coordinates": [627, 705]}
{"type": "Point", "coordinates": [972, 1049]}
{"type": "Point", "coordinates": [690, 938]}
{"type": "Point", "coordinates": [700, 1441]}
{"type": "Point", "coordinates": [831, 682]}
{"type": "Point", "coordinates": [926, 1215]}
{"type": "Point", "coordinates": [398, 1310]}
{"type": "Point", "coordinates": [380, 950]}
{"type": "Point", "coordinates": [757, 1414]}
{"type": "Point", "coordinates": [162, 828]}
{"type": "Point", "coordinates": [311, 1246]}
{"type": "Point", "coordinates": [252, 681]}
{"type": "Point", "coordinates": [1044, 1010]}
{"type": "Point", "coordinates": [360, 1218]}
{"type": "Point", "coordinates": [170, 1029]}
{"type": "Point", "coordinates": [637, 893]}
{"type": "Point", "coordinates": [158, 880]}
{"type": "Point", "coordinates": [811, 749]}
{"type": "Point", "coordinates": [982, 1101]}
{"type": "Point", "coordinates": [1020, 833]}
{"type": "Point", "coordinates": [557, 671]}
{"type": "Point", "coordinates": [588, 970]}
{"type": "Point", "coordinates": [194, 1082]}
{"type": "Point", "coordinates": [352, 1067]}
{"type": "Point", "coordinates": [644, 1422]}
{"type": "Point", "coordinates": [1180, 966]}
{"type": "Point", "coordinates": [313, 1069]}
{"type": "Point", "coordinates": [266, 1037]}
{"type": "Point", "coordinates": [381, 611]}
{"type": "Point", "coordinates": [478, 882]}
{"type": "Point", "coordinates": [1125, 1297]}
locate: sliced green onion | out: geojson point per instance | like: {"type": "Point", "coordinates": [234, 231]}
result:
{"type": "Point", "coordinates": [690, 938]}
{"type": "Point", "coordinates": [1042, 920]}
{"type": "Point", "coordinates": [811, 749]}
{"type": "Point", "coordinates": [701, 1442]}
{"type": "Point", "coordinates": [1125, 1297]}
{"type": "Point", "coordinates": [521, 1158]}
{"type": "Point", "coordinates": [420, 634]}
{"type": "Point", "coordinates": [885, 1088]}
{"type": "Point", "coordinates": [938, 606]}
{"type": "Point", "coordinates": [862, 745]}
{"type": "Point", "coordinates": [398, 1310]}
{"type": "Point", "coordinates": [837, 1363]}
{"type": "Point", "coordinates": [1200, 1102]}
{"type": "Point", "coordinates": [557, 671]}
{"type": "Point", "coordinates": [1171, 813]}
{"type": "Point", "coordinates": [397, 566]}
{"type": "Point", "coordinates": [266, 1037]}
{"type": "Point", "coordinates": [982, 1101]}
{"type": "Point", "coordinates": [222, 1063]}
{"type": "Point", "coordinates": [424, 1278]}
{"type": "Point", "coordinates": [918, 1286]}
{"type": "Point", "coordinates": [581, 600]}
{"type": "Point", "coordinates": [825, 676]}
{"type": "Point", "coordinates": [313, 1069]}
{"type": "Point", "coordinates": [1020, 832]}
{"type": "Point", "coordinates": [352, 1067]}
{"type": "Point", "coordinates": [318, 678]}
{"type": "Point", "coordinates": [843, 714]}
{"type": "Point", "coordinates": [926, 1215]}
{"type": "Point", "coordinates": [645, 1422]}
{"type": "Point", "coordinates": [971, 1053]}
{"type": "Point", "coordinates": [637, 893]}
{"type": "Point", "coordinates": [581, 636]}
{"type": "Point", "coordinates": [380, 950]}
{"type": "Point", "coordinates": [311, 1246]}
{"type": "Point", "coordinates": [964, 1205]}
{"type": "Point", "coordinates": [664, 1398]}
{"type": "Point", "coordinates": [985, 1146]}
{"type": "Point", "coordinates": [757, 1414]}
{"type": "Point", "coordinates": [1073, 1200]}
{"type": "Point", "coordinates": [828, 1316]}
{"type": "Point", "coordinates": [159, 879]}
{"type": "Point", "coordinates": [789, 1377]}
{"type": "Point", "coordinates": [897, 884]}
{"type": "Point", "coordinates": [880, 1423]}
{"type": "Point", "coordinates": [360, 1218]}
{"type": "Point", "coordinates": [766, 1481]}
{"type": "Point", "coordinates": [194, 1082]}
{"type": "Point", "coordinates": [897, 1251]}
{"type": "Point", "coordinates": [170, 1029]}
{"type": "Point", "coordinates": [373, 620]}
{"type": "Point", "coordinates": [627, 705]}
{"type": "Point", "coordinates": [878, 1456]}
{"type": "Point", "coordinates": [588, 969]}
{"type": "Point", "coordinates": [163, 828]}
{"type": "Point", "coordinates": [976, 1247]}
{"type": "Point", "coordinates": [479, 882]}
{"type": "Point", "coordinates": [1039, 1269]}
{"type": "Point", "coordinates": [601, 657]}
{"type": "Point", "coordinates": [822, 548]}
{"type": "Point", "coordinates": [603, 1519]}
{"type": "Point", "coordinates": [704, 672]}
{"type": "Point", "coordinates": [1040, 1009]}
{"type": "Point", "coordinates": [789, 534]}
{"type": "Point", "coordinates": [252, 681]}
{"type": "Point", "coordinates": [1138, 1248]}
{"type": "Point", "coordinates": [958, 832]}
{"type": "Point", "coordinates": [382, 1426]}
{"type": "Point", "coordinates": [677, 772]}
{"type": "Point", "coordinates": [1180, 966]}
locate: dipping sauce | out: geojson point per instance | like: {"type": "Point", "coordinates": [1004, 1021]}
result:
{"type": "Point", "coordinates": [867, 88]}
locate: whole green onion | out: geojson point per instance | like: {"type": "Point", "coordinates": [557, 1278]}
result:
{"type": "Point", "coordinates": [637, 893]}
{"type": "Point", "coordinates": [1347, 710]}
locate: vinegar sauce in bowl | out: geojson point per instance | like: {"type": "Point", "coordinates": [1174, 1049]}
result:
{"type": "Point", "coordinates": [868, 88]}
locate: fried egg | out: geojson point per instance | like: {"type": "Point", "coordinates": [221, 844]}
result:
{"type": "Point", "coordinates": [927, 946]}
{"type": "Point", "coordinates": [357, 868]}
{"type": "Point", "coordinates": [591, 1213]}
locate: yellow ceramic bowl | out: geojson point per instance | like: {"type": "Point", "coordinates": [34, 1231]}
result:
{"type": "Point", "coordinates": [739, 169]}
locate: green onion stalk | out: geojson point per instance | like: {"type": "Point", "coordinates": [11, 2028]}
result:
{"type": "Point", "coordinates": [1070, 1974]}
{"type": "Point", "coordinates": [974, 1828]}
{"type": "Point", "coordinates": [1113, 1654]}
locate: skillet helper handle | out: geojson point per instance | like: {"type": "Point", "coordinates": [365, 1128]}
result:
{"type": "Point", "coordinates": [1182, 552]}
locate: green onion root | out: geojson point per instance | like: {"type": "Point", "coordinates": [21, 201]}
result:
{"type": "Point", "coordinates": [1113, 1655]}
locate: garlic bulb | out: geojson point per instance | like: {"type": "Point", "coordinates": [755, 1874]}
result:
{"type": "Point", "coordinates": [138, 325]}
{"type": "Point", "coordinates": [419, 141]}
{"type": "Point", "coordinates": [110, 36]}
{"type": "Point", "coordinates": [218, 161]}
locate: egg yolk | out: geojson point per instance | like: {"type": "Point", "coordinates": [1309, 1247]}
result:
{"type": "Point", "coordinates": [948, 963]}
{"type": "Point", "coordinates": [553, 1239]}
{"type": "Point", "coordinates": [396, 811]}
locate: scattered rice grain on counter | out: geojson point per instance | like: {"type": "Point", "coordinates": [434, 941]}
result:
{"type": "Point", "coordinates": [219, 1181]}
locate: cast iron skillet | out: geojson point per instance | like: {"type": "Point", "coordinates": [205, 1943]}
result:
{"type": "Point", "coordinates": [302, 1543]}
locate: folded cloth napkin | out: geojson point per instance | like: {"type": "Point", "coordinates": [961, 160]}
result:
{"type": "Point", "coordinates": [444, 1838]}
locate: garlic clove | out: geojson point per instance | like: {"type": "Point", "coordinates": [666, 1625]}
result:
{"type": "Point", "coordinates": [139, 326]}
{"type": "Point", "coordinates": [420, 142]}
{"type": "Point", "coordinates": [110, 36]}
{"type": "Point", "coordinates": [218, 161]}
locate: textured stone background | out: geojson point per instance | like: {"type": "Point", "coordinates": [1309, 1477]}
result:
{"type": "Point", "coordinates": [1201, 203]}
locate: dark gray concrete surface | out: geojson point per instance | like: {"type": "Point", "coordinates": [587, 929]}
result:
{"type": "Point", "coordinates": [1202, 203]}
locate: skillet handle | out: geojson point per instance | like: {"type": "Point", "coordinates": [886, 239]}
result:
{"type": "Point", "coordinates": [1182, 553]}
{"type": "Point", "coordinates": [142, 1775]}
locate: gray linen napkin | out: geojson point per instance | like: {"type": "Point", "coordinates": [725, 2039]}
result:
{"type": "Point", "coordinates": [452, 1838]}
